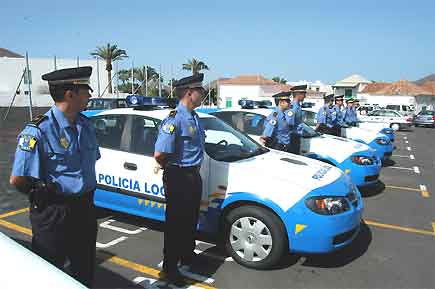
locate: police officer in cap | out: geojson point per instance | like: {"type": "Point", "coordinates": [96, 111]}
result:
{"type": "Point", "coordinates": [349, 114]}
{"type": "Point", "coordinates": [337, 115]}
{"type": "Point", "coordinates": [325, 120]}
{"type": "Point", "coordinates": [55, 165]}
{"type": "Point", "coordinates": [179, 151]}
{"type": "Point", "coordinates": [298, 92]}
{"type": "Point", "coordinates": [279, 124]}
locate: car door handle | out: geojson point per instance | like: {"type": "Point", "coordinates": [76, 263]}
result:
{"type": "Point", "coordinates": [130, 166]}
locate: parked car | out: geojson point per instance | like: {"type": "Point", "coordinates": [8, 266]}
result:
{"type": "Point", "coordinates": [389, 118]}
{"type": "Point", "coordinates": [98, 104]}
{"type": "Point", "coordinates": [245, 186]}
{"type": "Point", "coordinates": [425, 118]}
{"type": "Point", "coordinates": [403, 109]}
{"type": "Point", "coordinates": [356, 159]}
{"type": "Point", "coordinates": [378, 141]}
{"type": "Point", "coordinates": [21, 268]}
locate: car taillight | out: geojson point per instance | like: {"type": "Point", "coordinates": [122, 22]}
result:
{"type": "Point", "coordinates": [433, 117]}
{"type": "Point", "coordinates": [409, 119]}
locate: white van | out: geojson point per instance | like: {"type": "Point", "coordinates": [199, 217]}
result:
{"type": "Point", "coordinates": [403, 109]}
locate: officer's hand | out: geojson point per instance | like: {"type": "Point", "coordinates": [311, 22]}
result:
{"type": "Point", "coordinates": [263, 140]}
{"type": "Point", "coordinates": [156, 168]}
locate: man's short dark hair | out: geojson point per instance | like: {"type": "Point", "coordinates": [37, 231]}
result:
{"type": "Point", "coordinates": [180, 92]}
{"type": "Point", "coordinates": [57, 92]}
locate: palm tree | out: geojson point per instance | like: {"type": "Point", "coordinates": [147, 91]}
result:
{"type": "Point", "coordinates": [279, 80]}
{"type": "Point", "coordinates": [109, 53]}
{"type": "Point", "coordinates": [124, 75]}
{"type": "Point", "coordinates": [195, 66]}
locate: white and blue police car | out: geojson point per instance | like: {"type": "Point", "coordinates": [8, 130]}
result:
{"type": "Point", "coordinates": [264, 203]}
{"type": "Point", "coordinates": [378, 141]}
{"type": "Point", "coordinates": [355, 159]}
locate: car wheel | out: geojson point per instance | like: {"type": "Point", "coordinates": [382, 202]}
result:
{"type": "Point", "coordinates": [255, 237]}
{"type": "Point", "coordinates": [395, 126]}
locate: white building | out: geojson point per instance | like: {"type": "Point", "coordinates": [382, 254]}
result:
{"type": "Point", "coordinates": [350, 86]}
{"type": "Point", "coordinates": [12, 68]}
{"type": "Point", "coordinates": [317, 86]}
{"type": "Point", "coordinates": [254, 87]}
{"type": "Point", "coordinates": [402, 92]}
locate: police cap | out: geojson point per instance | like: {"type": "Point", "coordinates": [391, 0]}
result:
{"type": "Point", "coordinates": [350, 100]}
{"type": "Point", "coordinates": [299, 88]}
{"type": "Point", "coordinates": [282, 95]}
{"type": "Point", "coordinates": [78, 76]}
{"type": "Point", "coordinates": [339, 98]}
{"type": "Point", "coordinates": [194, 81]}
{"type": "Point", "coordinates": [328, 97]}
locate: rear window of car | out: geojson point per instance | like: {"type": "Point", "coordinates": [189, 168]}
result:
{"type": "Point", "coordinates": [427, 112]}
{"type": "Point", "coordinates": [393, 107]}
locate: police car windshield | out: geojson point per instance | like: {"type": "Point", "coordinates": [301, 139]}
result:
{"type": "Point", "coordinates": [308, 131]}
{"type": "Point", "coordinates": [224, 143]}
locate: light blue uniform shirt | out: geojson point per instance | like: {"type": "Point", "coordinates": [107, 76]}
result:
{"type": "Point", "coordinates": [182, 137]}
{"type": "Point", "coordinates": [279, 125]}
{"type": "Point", "coordinates": [349, 115]}
{"type": "Point", "coordinates": [59, 152]}
{"type": "Point", "coordinates": [326, 116]}
{"type": "Point", "coordinates": [336, 111]}
{"type": "Point", "coordinates": [298, 115]}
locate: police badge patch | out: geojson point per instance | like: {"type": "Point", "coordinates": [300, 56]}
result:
{"type": "Point", "coordinates": [290, 113]}
{"type": "Point", "coordinates": [272, 122]}
{"type": "Point", "coordinates": [27, 142]}
{"type": "Point", "coordinates": [192, 130]}
{"type": "Point", "coordinates": [168, 128]}
{"type": "Point", "coordinates": [64, 142]}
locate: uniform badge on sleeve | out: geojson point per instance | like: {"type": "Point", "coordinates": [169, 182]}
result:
{"type": "Point", "coordinates": [168, 128]}
{"type": "Point", "coordinates": [64, 142]}
{"type": "Point", "coordinates": [272, 122]}
{"type": "Point", "coordinates": [27, 142]}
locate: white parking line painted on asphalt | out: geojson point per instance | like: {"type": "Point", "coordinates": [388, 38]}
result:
{"type": "Point", "coordinates": [405, 137]}
{"type": "Point", "coordinates": [401, 168]}
{"type": "Point", "coordinates": [111, 243]}
{"type": "Point", "coordinates": [424, 191]}
{"type": "Point", "coordinates": [197, 277]}
{"type": "Point", "coordinates": [412, 157]}
{"type": "Point", "coordinates": [406, 141]}
{"type": "Point", "coordinates": [151, 283]}
{"type": "Point", "coordinates": [416, 170]}
{"type": "Point", "coordinates": [401, 156]}
{"type": "Point", "coordinates": [408, 148]}
{"type": "Point", "coordinates": [120, 230]}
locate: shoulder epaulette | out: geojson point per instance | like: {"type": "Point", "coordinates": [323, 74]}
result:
{"type": "Point", "coordinates": [172, 113]}
{"type": "Point", "coordinates": [38, 120]}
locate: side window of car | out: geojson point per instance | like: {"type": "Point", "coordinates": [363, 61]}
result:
{"type": "Point", "coordinates": [225, 116]}
{"type": "Point", "coordinates": [253, 123]}
{"type": "Point", "coordinates": [109, 130]}
{"type": "Point", "coordinates": [144, 133]}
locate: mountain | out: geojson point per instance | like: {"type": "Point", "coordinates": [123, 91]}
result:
{"type": "Point", "coordinates": [430, 77]}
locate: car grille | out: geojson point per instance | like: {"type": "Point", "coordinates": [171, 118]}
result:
{"type": "Point", "coordinates": [371, 178]}
{"type": "Point", "coordinates": [341, 238]}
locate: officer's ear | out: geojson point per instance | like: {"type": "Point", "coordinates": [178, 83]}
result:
{"type": "Point", "coordinates": [68, 95]}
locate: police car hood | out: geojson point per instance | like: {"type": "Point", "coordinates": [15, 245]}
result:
{"type": "Point", "coordinates": [282, 172]}
{"type": "Point", "coordinates": [357, 133]}
{"type": "Point", "coordinates": [338, 147]}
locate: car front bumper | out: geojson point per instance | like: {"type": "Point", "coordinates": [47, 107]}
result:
{"type": "Point", "coordinates": [309, 232]}
{"type": "Point", "coordinates": [361, 175]}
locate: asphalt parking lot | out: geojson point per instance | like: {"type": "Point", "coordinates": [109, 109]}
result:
{"type": "Point", "coordinates": [395, 247]}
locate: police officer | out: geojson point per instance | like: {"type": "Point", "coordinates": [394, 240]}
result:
{"type": "Point", "coordinates": [55, 165]}
{"type": "Point", "coordinates": [349, 114]}
{"type": "Point", "coordinates": [298, 92]}
{"type": "Point", "coordinates": [325, 120]}
{"type": "Point", "coordinates": [279, 124]}
{"type": "Point", "coordinates": [179, 151]}
{"type": "Point", "coordinates": [337, 115]}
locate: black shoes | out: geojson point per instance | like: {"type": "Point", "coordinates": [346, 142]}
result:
{"type": "Point", "coordinates": [174, 277]}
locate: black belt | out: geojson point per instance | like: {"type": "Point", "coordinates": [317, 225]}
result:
{"type": "Point", "coordinates": [72, 198]}
{"type": "Point", "coordinates": [187, 168]}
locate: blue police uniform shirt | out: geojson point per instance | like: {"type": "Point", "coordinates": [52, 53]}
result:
{"type": "Point", "coordinates": [298, 115]}
{"type": "Point", "coordinates": [59, 152]}
{"type": "Point", "coordinates": [325, 116]}
{"type": "Point", "coordinates": [279, 125]}
{"type": "Point", "coordinates": [182, 137]}
{"type": "Point", "coordinates": [349, 115]}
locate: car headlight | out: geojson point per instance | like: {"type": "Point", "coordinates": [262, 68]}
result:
{"type": "Point", "coordinates": [327, 205]}
{"type": "Point", "coordinates": [387, 131]}
{"type": "Point", "coordinates": [382, 141]}
{"type": "Point", "coordinates": [362, 160]}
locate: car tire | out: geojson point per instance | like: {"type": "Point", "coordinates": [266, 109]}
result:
{"type": "Point", "coordinates": [395, 126]}
{"type": "Point", "coordinates": [240, 236]}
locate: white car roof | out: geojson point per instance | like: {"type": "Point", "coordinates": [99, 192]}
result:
{"type": "Point", "coordinates": [263, 111]}
{"type": "Point", "coordinates": [154, 113]}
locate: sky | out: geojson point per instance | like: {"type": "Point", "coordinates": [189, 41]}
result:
{"type": "Point", "coordinates": [323, 40]}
